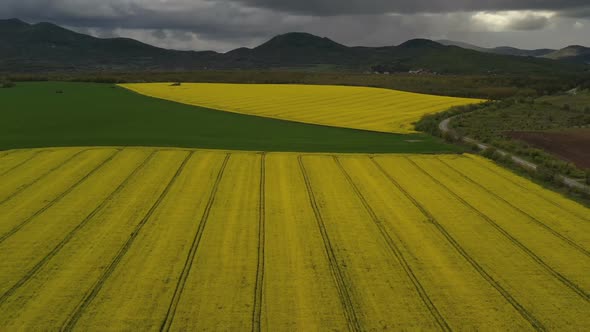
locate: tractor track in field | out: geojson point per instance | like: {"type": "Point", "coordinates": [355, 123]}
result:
{"type": "Point", "coordinates": [89, 296]}
{"type": "Point", "coordinates": [7, 153]}
{"type": "Point", "coordinates": [33, 155]}
{"type": "Point", "coordinates": [524, 213]}
{"type": "Point", "coordinates": [73, 232]}
{"type": "Point", "coordinates": [337, 274]}
{"type": "Point", "coordinates": [585, 218]}
{"type": "Point", "coordinates": [24, 187]}
{"type": "Point", "coordinates": [178, 291]}
{"type": "Point", "coordinates": [564, 280]}
{"type": "Point", "coordinates": [259, 286]}
{"type": "Point", "coordinates": [23, 223]}
{"type": "Point", "coordinates": [397, 253]}
{"type": "Point", "coordinates": [535, 323]}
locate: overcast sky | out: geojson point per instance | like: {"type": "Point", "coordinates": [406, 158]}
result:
{"type": "Point", "coordinates": [222, 25]}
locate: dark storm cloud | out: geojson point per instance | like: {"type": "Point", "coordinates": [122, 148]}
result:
{"type": "Point", "coordinates": [583, 12]}
{"type": "Point", "coordinates": [225, 24]}
{"type": "Point", "coordinates": [213, 19]}
{"type": "Point", "coordinates": [340, 7]}
{"type": "Point", "coordinates": [221, 15]}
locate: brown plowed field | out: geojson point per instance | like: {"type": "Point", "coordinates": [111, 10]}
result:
{"type": "Point", "coordinates": [571, 145]}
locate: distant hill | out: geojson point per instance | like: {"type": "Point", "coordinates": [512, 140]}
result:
{"type": "Point", "coordinates": [293, 49]}
{"type": "Point", "coordinates": [464, 45]}
{"type": "Point", "coordinates": [503, 50]}
{"type": "Point", "coordinates": [506, 50]}
{"type": "Point", "coordinates": [46, 47]}
{"type": "Point", "coordinates": [575, 53]}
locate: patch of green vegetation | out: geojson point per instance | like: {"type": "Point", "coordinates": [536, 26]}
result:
{"type": "Point", "coordinates": [578, 101]}
{"type": "Point", "coordinates": [6, 83]}
{"type": "Point", "coordinates": [491, 122]}
{"type": "Point", "coordinates": [52, 114]}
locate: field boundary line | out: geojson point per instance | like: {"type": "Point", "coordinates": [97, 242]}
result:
{"type": "Point", "coordinates": [33, 155]}
{"type": "Point", "coordinates": [178, 291]}
{"type": "Point", "coordinates": [91, 294]}
{"type": "Point", "coordinates": [337, 274]}
{"type": "Point", "coordinates": [6, 153]}
{"type": "Point", "coordinates": [565, 281]}
{"type": "Point", "coordinates": [26, 186]}
{"type": "Point", "coordinates": [532, 218]}
{"type": "Point", "coordinates": [73, 232]}
{"type": "Point", "coordinates": [535, 323]}
{"type": "Point", "coordinates": [47, 206]}
{"type": "Point", "coordinates": [396, 251]}
{"type": "Point", "coordinates": [259, 286]}
{"type": "Point", "coordinates": [223, 109]}
{"type": "Point", "coordinates": [530, 191]}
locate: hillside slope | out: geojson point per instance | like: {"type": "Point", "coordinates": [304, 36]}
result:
{"type": "Point", "coordinates": [574, 53]}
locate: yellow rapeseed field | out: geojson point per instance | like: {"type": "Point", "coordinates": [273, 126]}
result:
{"type": "Point", "coordinates": [178, 239]}
{"type": "Point", "coordinates": [351, 107]}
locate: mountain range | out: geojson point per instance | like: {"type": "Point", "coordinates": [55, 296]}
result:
{"type": "Point", "coordinates": [503, 50]}
{"type": "Point", "coordinates": [573, 53]}
{"type": "Point", "coordinates": [46, 47]}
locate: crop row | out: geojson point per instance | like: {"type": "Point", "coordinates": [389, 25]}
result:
{"type": "Point", "coordinates": [171, 239]}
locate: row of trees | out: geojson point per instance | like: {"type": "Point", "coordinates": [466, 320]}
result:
{"type": "Point", "coordinates": [477, 86]}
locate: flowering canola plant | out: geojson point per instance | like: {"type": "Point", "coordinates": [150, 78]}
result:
{"type": "Point", "coordinates": [365, 108]}
{"type": "Point", "coordinates": [183, 239]}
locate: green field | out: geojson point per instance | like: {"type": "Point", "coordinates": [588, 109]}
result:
{"type": "Point", "coordinates": [580, 100]}
{"type": "Point", "coordinates": [88, 114]}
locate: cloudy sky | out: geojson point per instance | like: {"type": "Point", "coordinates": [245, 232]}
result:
{"type": "Point", "coordinates": [222, 25]}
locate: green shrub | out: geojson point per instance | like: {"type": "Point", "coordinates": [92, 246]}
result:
{"type": "Point", "coordinates": [451, 137]}
{"type": "Point", "coordinates": [6, 83]}
{"type": "Point", "coordinates": [491, 153]}
{"type": "Point", "coordinates": [546, 174]}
